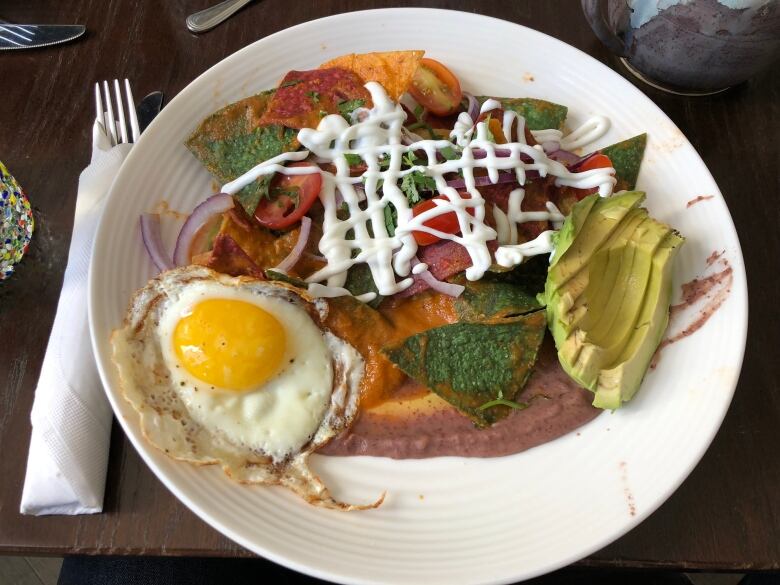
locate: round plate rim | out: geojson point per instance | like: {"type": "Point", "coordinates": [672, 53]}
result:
{"type": "Point", "coordinates": [145, 450]}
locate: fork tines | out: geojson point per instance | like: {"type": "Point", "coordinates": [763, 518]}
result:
{"type": "Point", "coordinates": [116, 128]}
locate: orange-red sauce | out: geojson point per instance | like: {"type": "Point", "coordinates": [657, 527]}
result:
{"type": "Point", "coordinates": [368, 331]}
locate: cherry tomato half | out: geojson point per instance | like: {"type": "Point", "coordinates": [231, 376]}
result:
{"type": "Point", "coordinates": [290, 197]}
{"type": "Point", "coordinates": [597, 161]}
{"type": "Point", "coordinates": [435, 88]}
{"type": "Point", "coordinates": [446, 222]}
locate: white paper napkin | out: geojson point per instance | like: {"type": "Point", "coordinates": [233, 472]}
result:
{"type": "Point", "coordinates": [71, 417]}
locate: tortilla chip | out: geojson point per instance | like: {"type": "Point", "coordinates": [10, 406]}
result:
{"type": "Point", "coordinates": [303, 98]}
{"type": "Point", "coordinates": [626, 158]}
{"type": "Point", "coordinates": [231, 141]}
{"type": "Point", "coordinates": [260, 245]}
{"type": "Point", "coordinates": [476, 367]}
{"type": "Point", "coordinates": [393, 70]}
{"type": "Point", "coordinates": [538, 114]}
{"type": "Point", "coordinates": [227, 257]}
{"type": "Point", "coordinates": [493, 300]}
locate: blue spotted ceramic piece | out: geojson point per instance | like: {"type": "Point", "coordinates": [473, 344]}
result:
{"type": "Point", "coordinates": [16, 223]}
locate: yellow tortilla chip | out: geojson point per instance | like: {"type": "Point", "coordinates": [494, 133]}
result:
{"type": "Point", "coordinates": [393, 69]}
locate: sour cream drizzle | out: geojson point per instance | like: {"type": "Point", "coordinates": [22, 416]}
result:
{"type": "Point", "coordinates": [376, 135]}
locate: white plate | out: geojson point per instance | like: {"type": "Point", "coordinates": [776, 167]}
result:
{"type": "Point", "coordinates": [450, 520]}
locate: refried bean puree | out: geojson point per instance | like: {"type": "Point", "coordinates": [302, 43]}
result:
{"type": "Point", "coordinates": [403, 420]}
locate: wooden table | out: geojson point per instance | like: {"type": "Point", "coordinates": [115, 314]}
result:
{"type": "Point", "coordinates": [726, 516]}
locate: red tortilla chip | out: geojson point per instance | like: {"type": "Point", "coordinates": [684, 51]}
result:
{"type": "Point", "coordinates": [303, 98]}
{"type": "Point", "coordinates": [227, 257]}
{"type": "Point", "coordinates": [393, 70]}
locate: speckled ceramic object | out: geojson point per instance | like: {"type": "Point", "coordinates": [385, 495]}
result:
{"type": "Point", "coordinates": [16, 223]}
{"type": "Point", "coordinates": [689, 46]}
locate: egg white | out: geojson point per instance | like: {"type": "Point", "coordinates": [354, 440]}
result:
{"type": "Point", "coordinates": [265, 435]}
{"type": "Point", "coordinates": [276, 418]}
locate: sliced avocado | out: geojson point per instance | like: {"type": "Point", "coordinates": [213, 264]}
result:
{"type": "Point", "coordinates": [566, 279]}
{"type": "Point", "coordinates": [604, 301]}
{"type": "Point", "coordinates": [603, 217]}
{"type": "Point", "coordinates": [620, 380]}
{"type": "Point", "coordinates": [602, 272]}
{"type": "Point", "coordinates": [606, 338]}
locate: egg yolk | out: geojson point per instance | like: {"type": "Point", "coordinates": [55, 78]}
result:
{"type": "Point", "coordinates": [231, 344]}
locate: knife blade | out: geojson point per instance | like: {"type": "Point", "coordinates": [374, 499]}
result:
{"type": "Point", "coordinates": [30, 36]}
{"type": "Point", "coordinates": [148, 108]}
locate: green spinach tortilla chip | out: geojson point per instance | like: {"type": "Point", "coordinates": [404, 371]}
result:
{"type": "Point", "coordinates": [538, 114]}
{"type": "Point", "coordinates": [626, 158]}
{"type": "Point", "coordinates": [490, 299]}
{"type": "Point", "coordinates": [231, 141]}
{"type": "Point", "coordinates": [473, 364]}
{"type": "Point", "coordinates": [360, 281]}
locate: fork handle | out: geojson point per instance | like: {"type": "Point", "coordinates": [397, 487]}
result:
{"type": "Point", "coordinates": [211, 17]}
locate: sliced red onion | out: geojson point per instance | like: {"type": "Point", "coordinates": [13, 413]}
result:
{"type": "Point", "coordinates": [152, 237]}
{"type": "Point", "coordinates": [564, 157]}
{"type": "Point", "coordinates": [446, 288]}
{"type": "Point", "coordinates": [472, 107]}
{"type": "Point", "coordinates": [215, 204]}
{"type": "Point", "coordinates": [295, 254]}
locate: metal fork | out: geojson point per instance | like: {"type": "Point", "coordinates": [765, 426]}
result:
{"type": "Point", "coordinates": [116, 128]}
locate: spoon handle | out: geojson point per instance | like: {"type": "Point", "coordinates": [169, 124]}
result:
{"type": "Point", "coordinates": [211, 17]}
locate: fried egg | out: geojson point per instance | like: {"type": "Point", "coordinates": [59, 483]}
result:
{"type": "Point", "coordinates": [238, 372]}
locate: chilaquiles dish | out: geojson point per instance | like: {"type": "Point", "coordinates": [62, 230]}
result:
{"type": "Point", "coordinates": [394, 267]}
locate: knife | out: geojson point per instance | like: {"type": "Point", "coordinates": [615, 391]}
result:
{"type": "Point", "coordinates": [30, 36]}
{"type": "Point", "coordinates": [148, 108]}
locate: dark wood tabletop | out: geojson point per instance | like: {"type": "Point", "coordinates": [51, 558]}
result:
{"type": "Point", "coordinates": [725, 516]}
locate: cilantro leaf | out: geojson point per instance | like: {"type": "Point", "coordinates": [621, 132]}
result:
{"type": "Point", "coordinates": [391, 219]}
{"type": "Point", "coordinates": [291, 83]}
{"type": "Point", "coordinates": [313, 96]}
{"type": "Point", "coordinates": [409, 159]}
{"type": "Point", "coordinates": [449, 153]}
{"type": "Point", "coordinates": [353, 160]}
{"type": "Point", "coordinates": [348, 106]}
{"type": "Point", "coordinates": [413, 183]}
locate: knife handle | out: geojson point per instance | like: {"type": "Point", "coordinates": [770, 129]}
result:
{"type": "Point", "coordinates": [211, 17]}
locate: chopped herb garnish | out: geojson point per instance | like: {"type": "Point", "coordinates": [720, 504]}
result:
{"type": "Point", "coordinates": [353, 160]}
{"type": "Point", "coordinates": [410, 159]}
{"type": "Point", "coordinates": [279, 192]}
{"type": "Point", "coordinates": [449, 153]}
{"type": "Point", "coordinates": [391, 219]}
{"type": "Point", "coordinates": [418, 112]}
{"type": "Point", "coordinates": [323, 113]}
{"type": "Point", "coordinates": [291, 83]}
{"type": "Point", "coordinates": [415, 182]}
{"type": "Point", "coordinates": [348, 106]}
{"type": "Point", "coordinates": [501, 401]}
{"type": "Point", "coordinates": [313, 96]}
